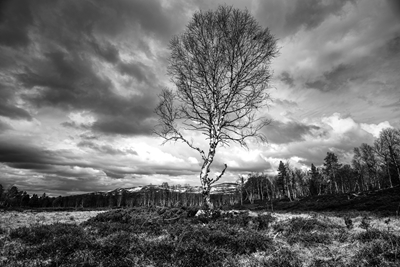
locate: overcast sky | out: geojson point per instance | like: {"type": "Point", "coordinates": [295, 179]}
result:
{"type": "Point", "coordinates": [79, 81]}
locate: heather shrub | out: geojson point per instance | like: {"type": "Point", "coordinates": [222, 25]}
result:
{"type": "Point", "coordinates": [264, 221]}
{"type": "Point", "coordinates": [191, 211]}
{"type": "Point", "coordinates": [115, 246]}
{"type": "Point", "coordinates": [132, 220]}
{"type": "Point", "coordinates": [105, 229]}
{"type": "Point", "coordinates": [326, 263]}
{"type": "Point", "coordinates": [377, 253]}
{"type": "Point", "coordinates": [196, 254]}
{"type": "Point", "coordinates": [217, 235]}
{"type": "Point", "coordinates": [373, 234]}
{"type": "Point", "coordinates": [365, 223]}
{"type": "Point", "coordinates": [53, 243]}
{"type": "Point", "coordinates": [306, 231]}
{"type": "Point", "coordinates": [43, 233]}
{"type": "Point", "coordinates": [118, 215]}
{"type": "Point", "coordinates": [2, 230]}
{"type": "Point", "coordinates": [241, 220]}
{"type": "Point", "coordinates": [283, 257]}
{"type": "Point", "coordinates": [173, 213]}
{"type": "Point", "coordinates": [348, 222]}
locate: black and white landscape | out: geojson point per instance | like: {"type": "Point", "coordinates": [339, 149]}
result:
{"type": "Point", "coordinates": [79, 82]}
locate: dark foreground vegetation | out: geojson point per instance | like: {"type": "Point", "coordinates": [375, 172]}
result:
{"type": "Point", "coordinates": [385, 202]}
{"type": "Point", "coordinates": [162, 236]}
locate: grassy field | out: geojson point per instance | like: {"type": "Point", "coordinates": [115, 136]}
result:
{"type": "Point", "coordinates": [174, 237]}
{"type": "Point", "coordinates": [14, 219]}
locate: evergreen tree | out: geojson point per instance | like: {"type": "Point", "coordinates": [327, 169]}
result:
{"type": "Point", "coordinates": [281, 181]}
{"type": "Point", "coordinates": [331, 167]}
{"type": "Point", "coordinates": [314, 181]}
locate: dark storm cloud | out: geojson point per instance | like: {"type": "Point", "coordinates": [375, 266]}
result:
{"type": "Point", "coordinates": [280, 133]}
{"type": "Point", "coordinates": [7, 105]}
{"type": "Point", "coordinates": [395, 105]}
{"type": "Point", "coordinates": [138, 71]}
{"type": "Point", "coordinates": [72, 124]}
{"type": "Point", "coordinates": [114, 175]}
{"type": "Point", "coordinates": [121, 125]}
{"type": "Point", "coordinates": [20, 155]}
{"type": "Point", "coordinates": [285, 18]}
{"type": "Point", "coordinates": [43, 161]}
{"type": "Point", "coordinates": [4, 127]}
{"type": "Point", "coordinates": [311, 13]}
{"type": "Point", "coordinates": [109, 19]}
{"type": "Point", "coordinates": [146, 170]}
{"type": "Point", "coordinates": [392, 46]}
{"type": "Point", "coordinates": [88, 136]}
{"type": "Point", "coordinates": [71, 39]}
{"type": "Point", "coordinates": [286, 78]}
{"type": "Point", "coordinates": [105, 149]}
{"type": "Point", "coordinates": [115, 17]}
{"type": "Point", "coordinates": [15, 19]}
{"type": "Point", "coordinates": [31, 166]}
{"type": "Point", "coordinates": [381, 60]}
{"type": "Point", "coordinates": [69, 81]}
{"type": "Point", "coordinates": [61, 163]}
{"type": "Point", "coordinates": [65, 79]}
{"type": "Point", "coordinates": [106, 51]}
{"type": "Point", "coordinates": [335, 79]}
{"type": "Point", "coordinates": [173, 172]}
{"type": "Point", "coordinates": [395, 7]}
{"type": "Point", "coordinates": [285, 103]}
{"type": "Point", "coordinates": [13, 112]}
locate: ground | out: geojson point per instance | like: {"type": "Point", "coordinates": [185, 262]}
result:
{"type": "Point", "coordinates": [174, 237]}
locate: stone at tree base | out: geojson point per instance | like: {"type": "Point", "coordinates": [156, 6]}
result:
{"type": "Point", "coordinates": [252, 214]}
{"type": "Point", "coordinates": [200, 213]}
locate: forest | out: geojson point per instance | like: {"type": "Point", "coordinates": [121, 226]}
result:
{"type": "Point", "coordinates": [373, 167]}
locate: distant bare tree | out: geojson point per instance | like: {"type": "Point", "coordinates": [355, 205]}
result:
{"type": "Point", "coordinates": [382, 152]}
{"type": "Point", "coordinates": [391, 142]}
{"type": "Point", "coordinates": [220, 66]}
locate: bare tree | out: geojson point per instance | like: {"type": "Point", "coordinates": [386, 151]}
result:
{"type": "Point", "coordinates": [383, 153]}
{"type": "Point", "coordinates": [220, 66]}
{"type": "Point", "coordinates": [391, 142]}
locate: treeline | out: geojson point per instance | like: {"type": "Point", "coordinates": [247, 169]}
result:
{"type": "Point", "coordinates": [152, 195]}
{"type": "Point", "coordinates": [373, 167]}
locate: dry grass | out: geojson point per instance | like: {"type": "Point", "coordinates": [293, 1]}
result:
{"type": "Point", "coordinates": [345, 246]}
{"type": "Point", "coordinates": [15, 219]}
{"type": "Point", "coordinates": [298, 239]}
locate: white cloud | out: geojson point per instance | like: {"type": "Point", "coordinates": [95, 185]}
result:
{"type": "Point", "coordinates": [375, 129]}
{"type": "Point", "coordinates": [340, 125]}
{"type": "Point", "coordinates": [193, 160]}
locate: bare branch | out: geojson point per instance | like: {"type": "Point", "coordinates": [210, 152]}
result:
{"type": "Point", "coordinates": [212, 181]}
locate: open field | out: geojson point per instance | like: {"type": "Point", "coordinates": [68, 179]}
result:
{"type": "Point", "coordinates": [15, 219]}
{"type": "Point", "coordinates": [174, 237]}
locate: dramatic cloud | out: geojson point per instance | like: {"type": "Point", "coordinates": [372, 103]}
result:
{"type": "Point", "coordinates": [4, 126]}
{"type": "Point", "coordinates": [287, 17]}
{"type": "Point", "coordinates": [281, 133]}
{"type": "Point", "coordinates": [79, 82]}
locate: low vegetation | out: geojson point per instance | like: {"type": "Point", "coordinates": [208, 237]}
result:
{"type": "Point", "coordinates": [176, 237]}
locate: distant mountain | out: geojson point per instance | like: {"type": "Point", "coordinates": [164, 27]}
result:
{"type": "Point", "coordinates": [222, 188]}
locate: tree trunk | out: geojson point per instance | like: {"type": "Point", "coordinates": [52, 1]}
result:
{"type": "Point", "coordinates": [205, 181]}
{"type": "Point", "coordinates": [393, 157]}
{"type": "Point", "coordinates": [207, 204]}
